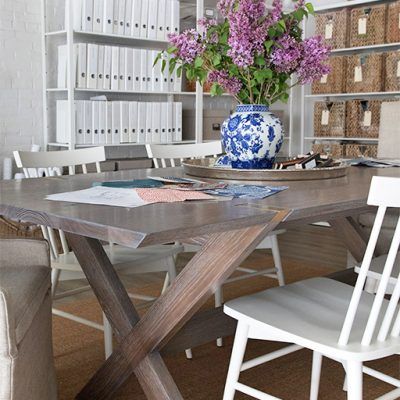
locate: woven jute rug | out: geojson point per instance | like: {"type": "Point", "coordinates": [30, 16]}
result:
{"type": "Point", "coordinates": [79, 353]}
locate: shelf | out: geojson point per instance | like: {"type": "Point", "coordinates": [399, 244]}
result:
{"type": "Point", "coordinates": [362, 49]}
{"type": "Point", "coordinates": [347, 139]}
{"type": "Point", "coordinates": [53, 144]}
{"type": "Point", "coordinates": [344, 4]}
{"type": "Point", "coordinates": [78, 90]}
{"type": "Point", "coordinates": [353, 95]}
{"type": "Point", "coordinates": [113, 38]}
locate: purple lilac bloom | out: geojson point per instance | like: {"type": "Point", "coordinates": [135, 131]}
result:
{"type": "Point", "coordinates": [231, 85]}
{"type": "Point", "coordinates": [313, 64]}
{"type": "Point", "coordinates": [189, 45]}
{"type": "Point", "coordinates": [206, 22]}
{"type": "Point", "coordinates": [286, 57]}
{"type": "Point", "coordinates": [275, 14]}
{"type": "Point", "coordinates": [300, 4]}
{"type": "Point", "coordinates": [225, 6]}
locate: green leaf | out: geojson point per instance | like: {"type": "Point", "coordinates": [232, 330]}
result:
{"type": "Point", "coordinates": [259, 60]}
{"type": "Point", "coordinates": [172, 49]}
{"type": "Point", "coordinates": [268, 44]}
{"type": "Point", "coordinates": [198, 62]}
{"type": "Point", "coordinates": [179, 71]}
{"type": "Point", "coordinates": [310, 8]}
{"type": "Point", "coordinates": [299, 14]}
{"type": "Point", "coordinates": [216, 90]}
{"type": "Point", "coordinates": [163, 65]}
{"type": "Point", "coordinates": [157, 59]}
{"type": "Point", "coordinates": [284, 97]}
{"type": "Point", "coordinates": [282, 24]}
{"type": "Point", "coordinates": [217, 60]}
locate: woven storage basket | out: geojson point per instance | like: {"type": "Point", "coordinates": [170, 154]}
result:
{"type": "Point", "coordinates": [334, 124]}
{"type": "Point", "coordinates": [372, 21]}
{"type": "Point", "coordinates": [10, 229]}
{"type": "Point", "coordinates": [361, 150]}
{"type": "Point", "coordinates": [336, 80]}
{"type": "Point", "coordinates": [364, 73]}
{"type": "Point", "coordinates": [393, 23]}
{"type": "Point", "coordinates": [333, 27]}
{"type": "Point", "coordinates": [392, 71]}
{"type": "Point", "coordinates": [334, 150]}
{"type": "Point", "coordinates": [363, 118]}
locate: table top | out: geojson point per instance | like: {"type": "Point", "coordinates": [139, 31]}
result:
{"type": "Point", "coordinates": [308, 201]}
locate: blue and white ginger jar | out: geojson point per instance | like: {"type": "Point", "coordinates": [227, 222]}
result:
{"type": "Point", "coordinates": [252, 137]}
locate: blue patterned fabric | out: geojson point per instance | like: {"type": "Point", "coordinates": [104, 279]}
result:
{"type": "Point", "coordinates": [252, 137]}
{"type": "Point", "coordinates": [249, 191]}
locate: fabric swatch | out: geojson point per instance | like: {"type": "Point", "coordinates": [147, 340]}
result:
{"type": "Point", "coordinates": [169, 195]}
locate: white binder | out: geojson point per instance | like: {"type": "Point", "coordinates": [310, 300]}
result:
{"type": "Point", "coordinates": [161, 19]}
{"type": "Point", "coordinates": [62, 121]}
{"type": "Point", "coordinates": [108, 16]}
{"type": "Point", "coordinates": [156, 123]}
{"type": "Point", "coordinates": [62, 66]}
{"type": "Point", "coordinates": [168, 19]}
{"type": "Point", "coordinates": [124, 119]}
{"type": "Point", "coordinates": [143, 71]}
{"type": "Point", "coordinates": [88, 122]}
{"type": "Point", "coordinates": [95, 122]}
{"type": "Point", "coordinates": [170, 122]}
{"type": "Point", "coordinates": [102, 122]}
{"type": "Point", "coordinates": [129, 69]}
{"type": "Point", "coordinates": [133, 121]}
{"type": "Point", "coordinates": [81, 79]}
{"type": "Point", "coordinates": [136, 17]}
{"type": "Point", "coordinates": [115, 17]}
{"type": "Point", "coordinates": [122, 69]}
{"type": "Point", "coordinates": [144, 19]}
{"type": "Point", "coordinates": [149, 123]}
{"type": "Point", "coordinates": [128, 18]}
{"type": "Point", "coordinates": [76, 14]}
{"type": "Point", "coordinates": [109, 125]}
{"type": "Point", "coordinates": [177, 81]}
{"type": "Point", "coordinates": [141, 123]}
{"type": "Point", "coordinates": [155, 72]}
{"type": "Point", "coordinates": [121, 17]}
{"type": "Point", "coordinates": [80, 121]}
{"type": "Point", "coordinates": [175, 16]}
{"type": "Point", "coordinates": [116, 122]}
{"type": "Point", "coordinates": [87, 15]}
{"type": "Point", "coordinates": [107, 67]}
{"type": "Point", "coordinates": [164, 83]}
{"type": "Point", "coordinates": [100, 68]}
{"type": "Point", "coordinates": [163, 123]}
{"type": "Point", "coordinates": [92, 60]}
{"type": "Point", "coordinates": [98, 13]}
{"type": "Point", "coordinates": [114, 68]}
{"type": "Point", "coordinates": [136, 70]}
{"type": "Point", "coordinates": [177, 124]}
{"type": "Point", "coordinates": [152, 19]}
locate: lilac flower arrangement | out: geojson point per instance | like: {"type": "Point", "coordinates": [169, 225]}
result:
{"type": "Point", "coordinates": [252, 53]}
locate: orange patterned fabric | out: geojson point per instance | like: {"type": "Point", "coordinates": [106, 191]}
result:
{"type": "Point", "coordinates": [153, 195]}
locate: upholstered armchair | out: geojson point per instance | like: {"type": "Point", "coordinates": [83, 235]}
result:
{"type": "Point", "coordinates": [26, 356]}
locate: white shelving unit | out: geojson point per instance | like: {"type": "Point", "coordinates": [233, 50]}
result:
{"type": "Point", "coordinates": [308, 99]}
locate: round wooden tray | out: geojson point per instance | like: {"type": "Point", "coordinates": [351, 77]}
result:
{"type": "Point", "coordinates": [205, 168]}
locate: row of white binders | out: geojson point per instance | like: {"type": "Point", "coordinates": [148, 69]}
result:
{"type": "Point", "coordinates": [115, 122]}
{"type": "Point", "coordinates": [116, 68]}
{"type": "Point", "coordinates": [151, 19]}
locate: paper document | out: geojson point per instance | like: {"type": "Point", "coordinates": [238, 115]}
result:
{"type": "Point", "coordinates": [101, 195]}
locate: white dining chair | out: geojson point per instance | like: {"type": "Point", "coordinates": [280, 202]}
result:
{"type": "Point", "coordinates": [125, 260]}
{"type": "Point", "coordinates": [171, 156]}
{"type": "Point", "coordinates": [344, 323]}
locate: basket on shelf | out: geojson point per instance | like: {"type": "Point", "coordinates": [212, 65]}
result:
{"type": "Point", "coordinates": [364, 73]}
{"type": "Point", "coordinates": [393, 23]}
{"type": "Point", "coordinates": [191, 86]}
{"type": "Point", "coordinates": [329, 119]}
{"type": "Point", "coordinates": [333, 27]}
{"type": "Point", "coordinates": [392, 71]}
{"type": "Point", "coordinates": [367, 25]}
{"type": "Point", "coordinates": [335, 81]}
{"type": "Point", "coordinates": [361, 150]}
{"type": "Point", "coordinates": [335, 150]}
{"type": "Point", "coordinates": [363, 118]}
{"type": "Point", "coordinates": [11, 229]}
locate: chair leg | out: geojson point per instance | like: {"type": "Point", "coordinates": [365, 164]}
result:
{"type": "Point", "coordinates": [239, 348]}
{"type": "Point", "coordinates": [108, 337]}
{"type": "Point", "coordinates": [55, 276]}
{"type": "Point", "coordinates": [277, 260]}
{"type": "Point", "coordinates": [315, 375]}
{"type": "Point", "coordinates": [354, 380]}
{"type": "Point", "coordinates": [219, 299]}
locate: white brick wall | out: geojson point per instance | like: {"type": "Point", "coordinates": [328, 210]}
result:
{"type": "Point", "coordinates": [20, 76]}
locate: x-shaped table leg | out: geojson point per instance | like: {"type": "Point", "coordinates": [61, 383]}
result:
{"type": "Point", "coordinates": [141, 339]}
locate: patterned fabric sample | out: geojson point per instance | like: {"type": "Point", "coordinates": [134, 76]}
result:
{"type": "Point", "coordinates": [170, 195]}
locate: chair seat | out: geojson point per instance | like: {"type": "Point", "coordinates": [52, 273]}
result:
{"type": "Point", "coordinates": [124, 257]}
{"type": "Point", "coordinates": [311, 314]}
{"type": "Point", "coordinates": [377, 266]}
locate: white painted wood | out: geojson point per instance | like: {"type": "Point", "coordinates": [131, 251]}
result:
{"type": "Point", "coordinates": [346, 324]}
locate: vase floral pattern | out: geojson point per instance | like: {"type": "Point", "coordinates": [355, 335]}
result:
{"type": "Point", "coordinates": [252, 137]}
